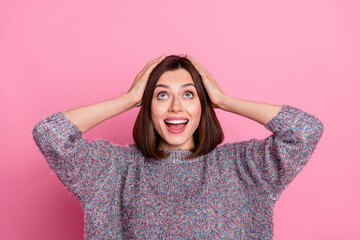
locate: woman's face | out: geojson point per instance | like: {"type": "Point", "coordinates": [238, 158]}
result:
{"type": "Point", "coordinates": [175, 110]}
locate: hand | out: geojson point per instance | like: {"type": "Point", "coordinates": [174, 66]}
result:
{"type": "Point", "coordinates": [137, 88]}
{"type": "Point", "coordinates": [214, 91]}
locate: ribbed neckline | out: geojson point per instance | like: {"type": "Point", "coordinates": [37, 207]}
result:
{"type": "Point", "coordinates": [178, 156]}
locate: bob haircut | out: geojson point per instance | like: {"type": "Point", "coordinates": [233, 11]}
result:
{"type": "Point", "coordinates": [209, 132]}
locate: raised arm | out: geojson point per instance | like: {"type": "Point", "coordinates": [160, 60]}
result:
{"type": "Point", "coordinates": [84, 165]}
{"type": "Point", "coordinates": [87, 117]}
{"type": "Point", "coordinates": [257, 111]}
{"type": "Point", "coordinates": [270, 164]}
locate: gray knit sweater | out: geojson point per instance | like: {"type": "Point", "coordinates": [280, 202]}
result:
{"type": "Point", "coordinates": [227, 194]}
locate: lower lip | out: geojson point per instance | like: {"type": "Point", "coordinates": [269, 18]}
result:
{"type": "Point", "coordinates": [175, 131]}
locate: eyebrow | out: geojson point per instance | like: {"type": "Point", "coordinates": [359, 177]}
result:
{"type": "Point", "coordinates": [166, 86]}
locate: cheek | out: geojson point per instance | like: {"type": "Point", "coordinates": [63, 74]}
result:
{"type": "Point", "coordinates": [195, 110]}
{"type": "Point", "coordinates": [156, 113]}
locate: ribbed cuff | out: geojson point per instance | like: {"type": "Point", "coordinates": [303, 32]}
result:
{"type": "Point", "coordinates": [286, 118]}
{"type": "Point", "coordinates": [67, 127]}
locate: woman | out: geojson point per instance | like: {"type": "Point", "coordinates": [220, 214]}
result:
{"type": "Point", "coordinates": [176, 181]}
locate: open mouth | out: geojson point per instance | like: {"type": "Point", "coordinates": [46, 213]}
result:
{"type": "Point", "coordinates": [176, 124]}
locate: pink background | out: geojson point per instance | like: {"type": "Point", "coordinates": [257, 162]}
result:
{"type": "Point", "coordinates": [65, 54]}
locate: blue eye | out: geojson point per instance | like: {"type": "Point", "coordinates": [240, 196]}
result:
{"type": "Point", "coordinates": [189, 95]}
{"type": "Point", "coordinates": [162, 95]}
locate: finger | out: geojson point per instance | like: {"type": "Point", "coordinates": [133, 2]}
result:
{"type": "Point", "coordinates": [154, 64]}
{"type": "Point", "coordinates": [191, 59]}
{"type": "Point", "coordinates": [150, 63]}
{"type": "Point", "coordinates": [200, 69]}
{"type": "Point", "coordinates": [154, 61]}
{"type": "Point", "coordinates": [196, 63]}
{"type": "Point", "coordinates": [203, 72]}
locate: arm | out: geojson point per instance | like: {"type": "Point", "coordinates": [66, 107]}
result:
{"type": "Point", "coordinates": [81, 165]}
{"type": "Point", "coordinates": [87, 117]}
{"type": "Point", "coordinates": [272, 163]}
{"type": "Point", "coordinates": [259, 112]}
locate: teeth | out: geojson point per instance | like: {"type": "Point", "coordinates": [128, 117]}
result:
{"type": "Point", "coordinates": [176, 121]}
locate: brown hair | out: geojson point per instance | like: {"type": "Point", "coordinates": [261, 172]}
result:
{"type": "Point", "coordinates": [208, 134]}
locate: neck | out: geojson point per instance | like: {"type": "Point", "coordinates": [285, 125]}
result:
{"type": "Point", "coordinates": [189, 145]}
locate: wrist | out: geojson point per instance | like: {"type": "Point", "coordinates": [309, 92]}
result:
{"type": "Point", "coordinates": [133, 99]}
{"type": "Point", "coordinates": [124, 103]}
{"type": "Point", "coordinates": [221, 102]}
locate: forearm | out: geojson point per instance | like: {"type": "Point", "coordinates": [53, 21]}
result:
{"type": "Point", "coordinates": [257, 111]}
{"type": "Point", "coordinates": [88, 116]}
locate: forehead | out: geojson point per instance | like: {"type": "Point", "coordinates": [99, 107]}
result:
{"type": "Point", "coordinates": [178, 76]}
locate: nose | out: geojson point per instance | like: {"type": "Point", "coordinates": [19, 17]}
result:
{"type": "Point", "coordinates": [176, 105]}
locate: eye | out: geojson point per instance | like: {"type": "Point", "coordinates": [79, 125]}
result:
{"type": "Point", "coordinates": [162, 95]}
{"type": "Point", "coordinates": [188, 94]}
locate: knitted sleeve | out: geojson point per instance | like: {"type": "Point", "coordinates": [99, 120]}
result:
{"type": "Point", "coordinates": [81, 165]}
{"type": "Point", "coordinates": [274, 162]}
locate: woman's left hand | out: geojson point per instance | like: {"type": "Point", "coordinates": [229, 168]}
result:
{"type": "Point", "coordinates": [214, 91]}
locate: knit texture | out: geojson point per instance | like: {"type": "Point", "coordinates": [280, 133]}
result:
{"type": "Point", "coordinates": [227, 194]}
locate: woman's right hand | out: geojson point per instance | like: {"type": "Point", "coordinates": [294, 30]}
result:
{"type": "Point", "coordinates": [136, 90]}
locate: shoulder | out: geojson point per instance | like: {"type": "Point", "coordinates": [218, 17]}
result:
{"type": "Point", "coordinates": [232, 146]}
{"type": "Point", "coordinates": [232, 149]}
{"type": "Point", "coordinates": [125, 152]}
{"type": "Point", "coordinates": [240, 149]}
